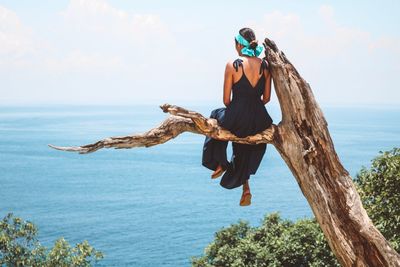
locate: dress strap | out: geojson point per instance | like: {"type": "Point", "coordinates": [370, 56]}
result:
{"type": "Point", "coordinates": [264, 65]}
{"type": "Point", "coordinates": [237, 63]}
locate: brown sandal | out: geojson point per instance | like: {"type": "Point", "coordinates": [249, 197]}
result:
{"type": "Point", "coordinates": [246, 199]}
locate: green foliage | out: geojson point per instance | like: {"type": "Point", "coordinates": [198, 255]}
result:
{"type": "Point", "coordinates": [379, 189]}
{"type": "Point", "coordinates": [62, 254]}
{"type": "Point", "coordinates": [277, 242]}
{"type": "Point", "coordinates": [20, 247]}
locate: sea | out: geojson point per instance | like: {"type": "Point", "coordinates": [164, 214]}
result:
{"type": "Point", "coordinates": [154, 206]}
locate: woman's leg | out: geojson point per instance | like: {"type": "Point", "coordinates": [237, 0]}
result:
{"type": "Point", "coordinates": [246, 187]}
{"type": "Point", "coordinates": [214, 154]}
{"type": "Point", "coordinates": [218, 171]}
{"type": "Point", "coordinates": [214, 151]}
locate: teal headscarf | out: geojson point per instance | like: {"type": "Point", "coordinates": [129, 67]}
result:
{"type": "Point", "coordinates": [246, 50]}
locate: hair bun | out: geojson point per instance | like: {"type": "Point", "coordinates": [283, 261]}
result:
{"type": "Point", "coordinates": [253, 44]}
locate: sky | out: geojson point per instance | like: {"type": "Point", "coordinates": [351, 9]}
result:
{"type": "Point", "coordinates": [122, 52]}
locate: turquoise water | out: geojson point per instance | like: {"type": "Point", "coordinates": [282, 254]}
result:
{"type": "Point", "coordinates": [153, 206]}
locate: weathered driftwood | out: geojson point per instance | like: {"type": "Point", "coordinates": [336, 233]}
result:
{"type": "Point", "coordinates": [181, 120]}
{"type": "Point", "coordinates": [303, 140]}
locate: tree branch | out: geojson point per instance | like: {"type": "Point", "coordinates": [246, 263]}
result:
{"type": "Point", "coordinates": [304, 142]}
{"type": "Point", "coordinates": [181, 120]}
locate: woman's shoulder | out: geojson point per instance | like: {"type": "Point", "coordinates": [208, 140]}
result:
{"type": "Point", "coordinates": [232, 61]}
{"type": "Point", "coordinates": [250, 60]}
{"type": "Point", "coordinates": [233, 64]}
{"type": "Point", "coordinates": [229, 65]}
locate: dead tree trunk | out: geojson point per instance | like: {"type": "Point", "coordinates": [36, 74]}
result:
{"type": "Point", "coordinates": [303, 140]}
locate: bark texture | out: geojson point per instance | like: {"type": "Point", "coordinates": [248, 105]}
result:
{"type": "Point", "coordinates": [303, 140]}
{"type": "Point", "coordinates": [181, 120]}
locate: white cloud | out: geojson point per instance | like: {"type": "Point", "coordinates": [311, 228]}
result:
{"type": "Point", "coordinates": [78, 61]}
{"type": "Point", "coordinates": [289, 32]}
{"type": "Point", "coordinates": [326, 12]}
{"type": "Point", "coordinates": [278, 25]}
{"type": "Point", "coordinates": [385, 43]}
{"type": "Point", "coordinates": [15, 38]}
{"type": "Point", "coordinates": [93, 46]}
{"type": "Point", "coordinates": [97, 16]}
{"type": "Point", "coordinates": [343, 64]}
{"type": "Point", "coordinates": [90, 35]}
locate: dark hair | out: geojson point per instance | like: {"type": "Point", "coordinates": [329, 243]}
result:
{"type": "Point", "coordinates": [250, 37]}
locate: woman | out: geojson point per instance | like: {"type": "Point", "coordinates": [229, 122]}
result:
{"type": "Point", "coordinates": [249, 81]}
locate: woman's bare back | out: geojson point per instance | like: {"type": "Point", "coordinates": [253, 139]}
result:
{"type": "Point", "coordinates": [251, 66]}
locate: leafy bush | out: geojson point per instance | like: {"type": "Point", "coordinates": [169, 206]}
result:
{"type": "Point", "coordinates": [379, 189]}
{"type": "Point", "coordinates": [20, 247]}
{"type": "Point", "coordinates": [279, 242]}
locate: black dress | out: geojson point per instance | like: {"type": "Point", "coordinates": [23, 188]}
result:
{"type": "Point", "coordinates": [246, 115]}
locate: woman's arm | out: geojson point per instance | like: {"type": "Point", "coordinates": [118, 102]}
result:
{"type": "Point", "coordinates": [228, 81]}
{"type": "Point", "coordinates": [266, 97]}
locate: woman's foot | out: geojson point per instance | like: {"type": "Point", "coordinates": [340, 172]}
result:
{"type": "Point", "coordinates": [246, 198]}
{"type": "Point", "coordinates": [246, 195]}
{"type": "Point", "coordinates": [218, 172]}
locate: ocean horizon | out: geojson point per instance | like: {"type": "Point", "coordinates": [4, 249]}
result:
{"type": "Point", "coordinates": [154, 206]}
